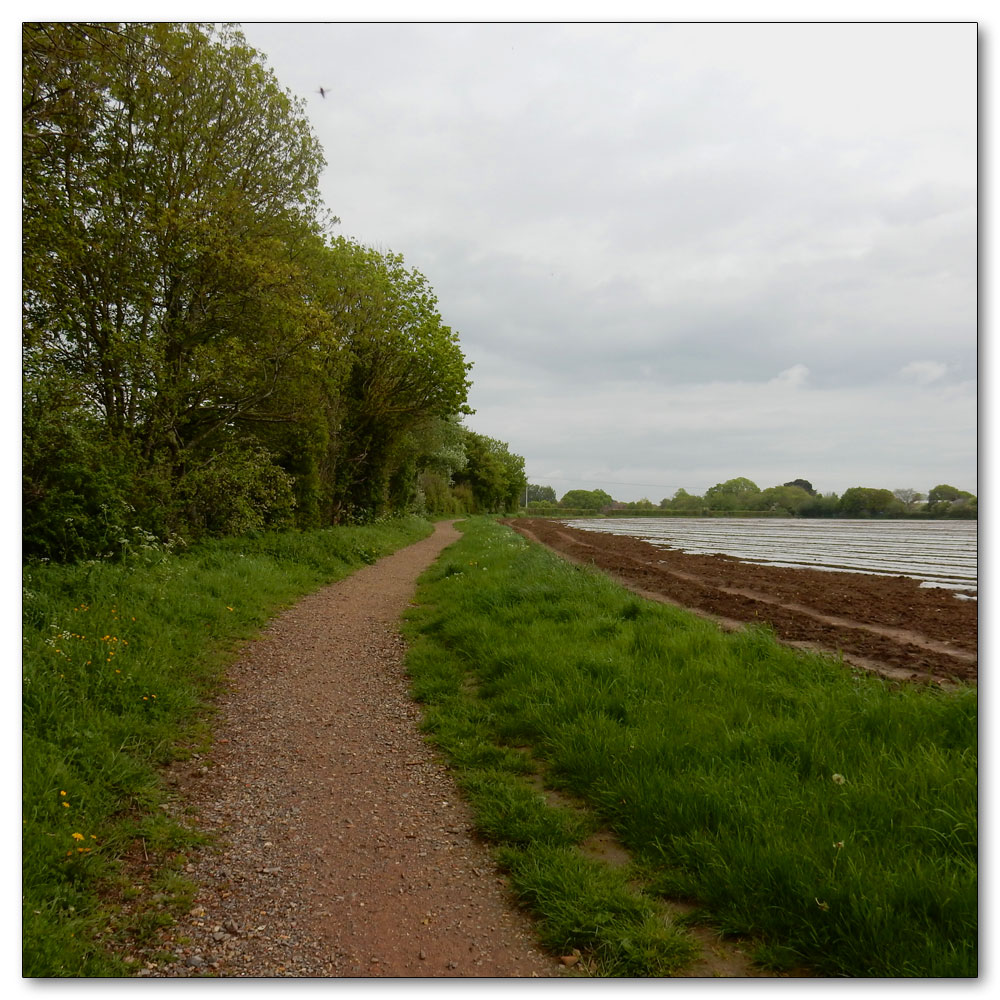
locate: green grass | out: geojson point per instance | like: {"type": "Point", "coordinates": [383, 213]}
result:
{"type": "Point", "coordinates": [120, 661]}
{"type": "Point", "coordinates": [826, 814]}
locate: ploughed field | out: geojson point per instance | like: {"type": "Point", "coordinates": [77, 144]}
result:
{"type": "Point", "coordinates": [902, 626]}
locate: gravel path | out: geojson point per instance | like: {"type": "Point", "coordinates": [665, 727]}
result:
{"type": "Point", "coordinates": [346, 850]}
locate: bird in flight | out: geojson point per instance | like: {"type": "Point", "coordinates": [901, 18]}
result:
{"type": "Point", "coordinates": [322, 92]}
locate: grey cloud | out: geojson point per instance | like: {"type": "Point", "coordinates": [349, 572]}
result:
{"type": "Point", "coordinates": [617, 216]}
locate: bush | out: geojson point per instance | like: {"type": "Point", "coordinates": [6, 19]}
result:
{"type": "Point", "coordinates": [75, 483]}
{"type": "Point", "coordinates": [238, 491]}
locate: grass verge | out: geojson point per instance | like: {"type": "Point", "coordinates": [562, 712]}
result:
{"type": "Point", "coordinates": [120, 662]}
{"type": "Point", "coordinates": [826, 814]}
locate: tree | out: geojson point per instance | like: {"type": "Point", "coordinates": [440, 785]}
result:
{"type": "Point", "coordinates": [909, 498]}
{"type": "Point", "coordinates": [189, 320]}
{"type": "Point", "coordinates": [944, 500]}
{"type": "Point", "coordinates": [537, 494]}
{"type": "Point", "coordinates": [169, 184]}
{"type": "Point", "coordinates": [827, 505]}
{"type": "Point", "coordinates": [860, 501]}
{"type": "Point", "coordinates": [684, 501]}
{"type": "Point", "coordinates": [402, 366]}
{"type": "Point", "coordinates": [734, 494]}
{"type": "Point", "coordinates": [439, 449]}
{"type": "Point", "coordinates": [790, 499]}
{"type": "Point", "coordinates": [803, 484]}
{"type": "Point", "coordinates": [586, 500]}
{"type": "Point", "coordinates": [946, 494]}
{"type": "Point", "coordinates": [493, 478]}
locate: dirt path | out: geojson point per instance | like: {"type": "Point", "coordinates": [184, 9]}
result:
{"type": "Point", "coordinates": [891, 625]}
{"type": "Point", "coordinates": [346, 849]}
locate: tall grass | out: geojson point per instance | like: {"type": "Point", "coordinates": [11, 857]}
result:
{"type": "Point", "coordinates": [119, 663]}
{"type": "Point", "coordinates": [826, 813]}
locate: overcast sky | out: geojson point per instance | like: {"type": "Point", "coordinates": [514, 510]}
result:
{"type": "Point", "coordinates": [676, 253]}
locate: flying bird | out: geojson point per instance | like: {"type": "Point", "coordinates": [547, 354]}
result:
{"type": "Point", "coordinates": [322, 92]}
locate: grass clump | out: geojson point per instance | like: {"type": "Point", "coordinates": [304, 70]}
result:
{"type": "Point", "coordinates": [585, 906]}
{"type": "Point", "coordinates": [120, 660]}
{"type": "Point", "coordinates": [825, 813]}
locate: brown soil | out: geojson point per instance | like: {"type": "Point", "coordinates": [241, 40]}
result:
{"type": "Point", "coordinates": [891, 625]}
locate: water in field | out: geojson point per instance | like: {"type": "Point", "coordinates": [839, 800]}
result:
{"type": "Point", "coordinates": [938, 553]}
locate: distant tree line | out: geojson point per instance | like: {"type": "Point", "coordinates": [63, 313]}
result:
{"type": "Point", "coordinates": [201, 356]}
{"type": "Point", "coordinates": [792, 499]}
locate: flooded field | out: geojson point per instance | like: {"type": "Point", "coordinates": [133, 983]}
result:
{"type": "Point", "coordinates": [938, 553]}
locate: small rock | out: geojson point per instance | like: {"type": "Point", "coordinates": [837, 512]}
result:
{"type": "Point", "coordinates": [195, 961]}
{"type": "Point", "coordinates": [422, 955]}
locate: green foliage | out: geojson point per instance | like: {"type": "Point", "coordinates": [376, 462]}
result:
{"type": "Point", "coordinates": [76, 491]}
{"type": "Point", "coordinates": [741, 497]}
{"type": "Point", "coordinates": [860, 501]}
{"type": "Point", "coordinates": [734, 494]}
{"type": "Point", "coordinates": [200, 355]}
{"type": "Point", "coordinates": [493, 475]}
{"type": "Point", "coordinates": [825, 813]}
{"type": "Point", "coordinates": [802, 484]}
{"type": "Point", "coordinates": [947, 501]}
{"type": "Point", "coordinates": [404, 373]}
{"type": "Point", "coordinates": [539, 494]}
{"type": "Point", "coordinates": [683, 501]}
{"type": "Point", "coordinates": [119, 662]}
{"type": "Point", "coordinates": [586, 499]}
{"type": "Point", "coordinates": [827, 505]}
{"type": "Point", "coordinates": [236, 491]}
{"type": "Point", "coordinates": [790, 499]}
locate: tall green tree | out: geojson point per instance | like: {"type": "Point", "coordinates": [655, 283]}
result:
{"type": "Point", "coordinates": [169, 186]}
{"type": "Point", "coordinates": [403, 368]}
{"type": "Point", "coordinates": [536, 493]}
{"type": "Point", "coordinates": [493, 477]}
{"type": "Point", "coordinates": [864, 501]}
{"type": "Point", "coordinates": [734, 494]}
{"type": "Point", "coordinates": [586, 499]}
{"type": "Point", "coordinates": [788, 498]}
{"type": "Point", "coordinates": [188, 320]}
{"type": "Point", "coordinates": [949, 501]}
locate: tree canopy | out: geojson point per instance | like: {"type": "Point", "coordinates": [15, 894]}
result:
{"type": "Point", "coordinates": [586, 499]}
{"type": "Point", "coordinates": [797, 498]}
{"type": "Point", "coordinates": [201, 354]}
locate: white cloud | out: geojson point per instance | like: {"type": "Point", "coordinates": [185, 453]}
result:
{"type": "Point", "coordinates": [633, 228]}
{"type": "Point", "coordinates": [794, 376]}
{"type": "Point", "coordinates": [924, 372]}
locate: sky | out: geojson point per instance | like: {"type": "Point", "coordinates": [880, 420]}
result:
{"type": "Point", "coordinates": [675, 253]}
